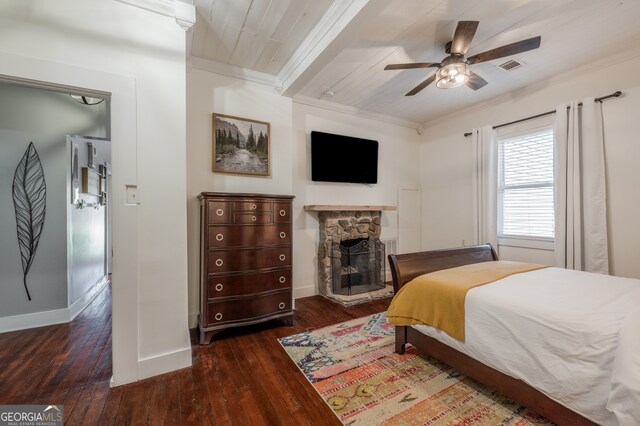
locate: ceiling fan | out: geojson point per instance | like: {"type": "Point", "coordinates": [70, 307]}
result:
{"type": "Point", "coordinates": [454, 70]}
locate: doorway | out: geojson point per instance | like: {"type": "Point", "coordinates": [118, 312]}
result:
{"type": "Point", "coordinates": [121, 90]}
{"type": "Point", "coordinates": [37, 220]}
{"type": "Point", "coordinates": [89, 250]}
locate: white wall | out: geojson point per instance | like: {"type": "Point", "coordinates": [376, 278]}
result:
{"type": "Point", "coordinates": [291, 124]}
{"type": "Point", "coordinates": [397, 166]}
{"type": "Point", "coordinates": [446, 158]}
{"type": "Point", "coordinates": [208, 93]}
{"type": "Point", "coordinates": [139, 57]}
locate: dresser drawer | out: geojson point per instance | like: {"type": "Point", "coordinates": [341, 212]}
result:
{"type": "Point", "coordinates": [219, 211]}
{"type": "Point", "coordinates": [259, 282]}
{"type": "Point", "coordinates": [248, 309]}
{"type": "Point", "coordinates": [246, 236]}
{"type": "Point", "coordinates": [248, 259]}
{"type": "Point", "coordinates": [247, 217]}
{"type": "Point", "coordinates": [254, 206]}
{"type": "Point", "coordinates": [282, 212]}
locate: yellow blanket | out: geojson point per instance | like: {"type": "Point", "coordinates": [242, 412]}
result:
{"type": "Point", "coordinates": [437, 299]}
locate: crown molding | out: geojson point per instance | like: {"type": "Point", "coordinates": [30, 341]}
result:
{"type": "Point", "coordinates": [236, 72]}
{"type": "Point", "coordinates": [183, 13]}
{"type": "Point", "coordinates": [332, 23]}
{"type": "Point", "coordinates": [345, 109]}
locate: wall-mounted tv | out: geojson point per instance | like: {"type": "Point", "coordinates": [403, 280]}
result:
{"type": "Point", "coordinates": [337, 158]}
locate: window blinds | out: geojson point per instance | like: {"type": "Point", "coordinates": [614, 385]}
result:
{"type": "Point", "coordinates": [525, 185]}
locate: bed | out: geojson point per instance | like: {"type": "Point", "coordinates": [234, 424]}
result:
{"type": "Point", "coordinates": [572, 357]}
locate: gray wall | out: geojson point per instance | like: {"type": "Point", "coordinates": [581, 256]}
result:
{"type": "Point", "coordinates": [28, 114]}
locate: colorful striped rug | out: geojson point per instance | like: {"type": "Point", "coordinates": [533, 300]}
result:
{"type": "Point", "coordinates": [355, 370]}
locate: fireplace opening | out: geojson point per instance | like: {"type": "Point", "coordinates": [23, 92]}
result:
{"type": "Point", "coordinates": [357, 266]}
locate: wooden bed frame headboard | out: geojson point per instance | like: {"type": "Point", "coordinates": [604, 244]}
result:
{"type": "Point", "coordinates": [405, 267]}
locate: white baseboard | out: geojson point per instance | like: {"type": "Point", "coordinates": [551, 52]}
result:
{"type": "Point", "coordinates": [299, 292]}
{"type": "Point", "coordinates": [160, 364]}
{"type": "Point", "coordinates": [56, 316]}
{"type": "Point", "coordinates": [35, 319]}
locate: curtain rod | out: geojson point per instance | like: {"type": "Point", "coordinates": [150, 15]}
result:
{"type": "Point", "coordinates": [600, 99]}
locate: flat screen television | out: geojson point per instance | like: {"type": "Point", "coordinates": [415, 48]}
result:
{"type": "Point", "coordinates": [337, 158]}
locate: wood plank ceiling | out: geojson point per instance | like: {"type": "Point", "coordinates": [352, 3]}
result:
{"type": "Point", "coordinates": [259, 35]}
{"type": "Point", "coordinates": [263, 35]}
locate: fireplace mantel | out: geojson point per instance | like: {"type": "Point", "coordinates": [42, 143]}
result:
{"type": "Point", "coordinates": [347, 208]}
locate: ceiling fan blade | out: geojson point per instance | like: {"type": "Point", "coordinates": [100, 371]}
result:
{"type": "Point", "coordinates": [422, 85]}
{"type": "Point", "coordinates": [463, 36]}
{"type": "Point", "coordinates": [475, 81]}
{"type": "Point", "coordinates": [411, 66]}
{"type": "Point", "coordinates": [506, 50]}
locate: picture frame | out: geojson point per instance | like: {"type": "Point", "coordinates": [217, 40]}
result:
{"type": "Point", "coordinates": [91, 182]}
{"type": "Point", "coordinates": [241, 146]}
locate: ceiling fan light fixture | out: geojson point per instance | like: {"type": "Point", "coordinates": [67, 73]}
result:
{"type": "Point", "coordinates": [452, 75]}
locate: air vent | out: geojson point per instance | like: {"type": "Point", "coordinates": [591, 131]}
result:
{"type": "Point", "coordinates": [510, 65]}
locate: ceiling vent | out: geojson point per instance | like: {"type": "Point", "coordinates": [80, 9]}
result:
{"type": "Point", "coordinates": [510, 65]}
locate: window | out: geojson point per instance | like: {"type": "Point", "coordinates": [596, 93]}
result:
{"type": "Point", "coordinates": [525, 184]}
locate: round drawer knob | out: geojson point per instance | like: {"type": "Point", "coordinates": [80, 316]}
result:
{"type": "Point", "coordinates": [281, 305]}
{"type": "Point", "coordinates": [282, 235]}
{"type": "Point", "coordinates": [218, 316]}
{"type": "Point", "coordinates": [219, 287]}
{"type": "Point", "coordinates": [282, 279]}
{"type": "Point", "coordinates": [219, 212]}
{"type": "Point", "coordinates": [253, 207]}
{"type": "Point", "coordinates": [219, 262]}
{"type": "Point", "coordinates": [253, 218]}
{"type": "Point", "coordinates": [282, 257]}
{"type": "Point", "coordinates": [283, 213]}
{"type": "Point", "coordinates": [219, 237]}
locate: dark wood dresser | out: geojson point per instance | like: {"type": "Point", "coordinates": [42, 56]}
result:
{"type": "Point", "coordinates": [245, 260]}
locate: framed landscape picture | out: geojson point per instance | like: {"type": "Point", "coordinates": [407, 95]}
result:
{"type": "Point", "coordinates": [241, 146]}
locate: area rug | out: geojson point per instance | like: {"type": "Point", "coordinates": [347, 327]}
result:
{"type": "Point", "coordinates": [355, 370]}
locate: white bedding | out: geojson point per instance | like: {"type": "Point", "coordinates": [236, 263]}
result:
{"type": "Point", "coordinates": [559, 331]}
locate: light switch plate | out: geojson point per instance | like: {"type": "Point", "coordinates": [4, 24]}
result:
{"type": "Point", "coordinates": [133, 194]}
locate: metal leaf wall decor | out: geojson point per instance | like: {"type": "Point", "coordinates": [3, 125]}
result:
{"type": "Point", "coordinates": [29, 200]}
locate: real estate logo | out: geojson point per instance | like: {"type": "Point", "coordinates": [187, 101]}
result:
{"type": "Point", "coordinates": [31, 415]}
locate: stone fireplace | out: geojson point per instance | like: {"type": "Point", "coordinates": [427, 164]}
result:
{"type": "Point", "coordinates": [350, 225]}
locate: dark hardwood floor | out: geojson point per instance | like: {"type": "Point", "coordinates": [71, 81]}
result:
{"type": "Point", "coordinates": [243, 378]}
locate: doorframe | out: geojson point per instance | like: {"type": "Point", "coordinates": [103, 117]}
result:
{"type": "Point", "coordinates": [121, 90]}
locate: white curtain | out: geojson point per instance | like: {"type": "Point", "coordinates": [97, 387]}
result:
{"type": "Point", "coordinates": [580, 195]}
{"type": "Point", "coordinates": [485, 185]}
